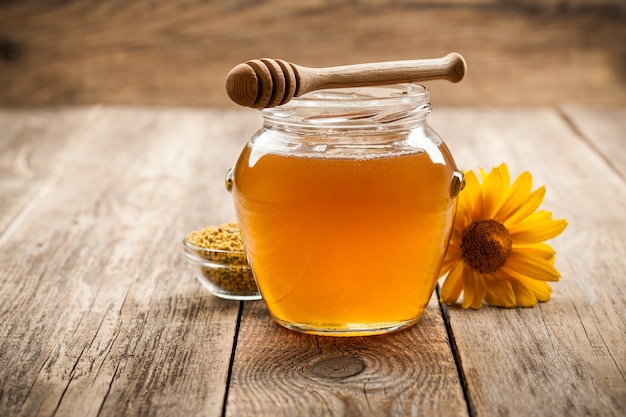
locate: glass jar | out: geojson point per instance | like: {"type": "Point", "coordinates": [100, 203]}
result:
{"type": "Point", "coordinates": [346, 200]}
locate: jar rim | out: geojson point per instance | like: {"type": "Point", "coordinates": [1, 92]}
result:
{"type": "Point", "coordinates": [361, 96]}
{"type": "Point", "coordinates": [353, 107]}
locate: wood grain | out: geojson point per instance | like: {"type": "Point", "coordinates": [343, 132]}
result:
{"type": "Point", "coordinates": [278, 372]}
{"type": "Point", "coordinates": [568, 356]}
{"type": "Point", "coordinates": [603, 127]}
{"type": "Point", "coordinates": [30, 147]}
{"type": "Point", "coordinates": [100, 316]}
{"type": "Point", "coordinates": [179, 52]}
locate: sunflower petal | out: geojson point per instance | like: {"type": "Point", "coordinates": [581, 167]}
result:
{"type": "Point", "coordinates": [540, 250]}
{"type": "Point", "coordinates": [540, 289]}
{"type": "Point", "coordinates": [481, 290]}
{"type": "Point", "coordinates": [453, 285]}
{"type": "Point", "coordinates": [495, 189]}
{"type": "Point", "coordinates": [536, 228]}
{"type": "Point", "coordinates": [518, 195]}
{"type": "Point", "coordinates": [499, 291]}
{"type": "Point", "coordinates": [453, 257]}
{"type": "Point", "coordinates": [524, 296]}
{"type": "Point", "coordinates": [470, 201]}
{"type": "Point", "coordinates": [531, 267]}
{"type": "Point", "coordinates": [527, 208]}
{"type": "Point", "coordinates": [474, 290]}
{"type": "Point", "coordinates": [468, 288]}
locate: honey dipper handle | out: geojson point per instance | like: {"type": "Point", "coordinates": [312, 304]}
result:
{"type": "Point", "coordinates": [451, 67]}
{"type": "Point", "coordinates": [271, 82]}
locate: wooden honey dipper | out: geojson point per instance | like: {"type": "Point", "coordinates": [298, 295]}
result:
{"type": "Point", "coordinates": [267, 82]}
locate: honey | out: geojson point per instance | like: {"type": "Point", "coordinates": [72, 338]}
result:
{"type": "Point", "coordinates": [345, 244]}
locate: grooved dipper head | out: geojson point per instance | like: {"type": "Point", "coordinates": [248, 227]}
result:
{"type": "Point", "coordinates": [262, 83]}
{"type": "Point", "coordinates": [242, 85]}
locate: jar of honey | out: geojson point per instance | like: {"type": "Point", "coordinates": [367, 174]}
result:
{"type": "Point", "coordinates": [346, 200]}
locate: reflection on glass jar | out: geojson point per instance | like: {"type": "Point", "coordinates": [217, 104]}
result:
{"type": "Point", "coordinates": [344, 201]}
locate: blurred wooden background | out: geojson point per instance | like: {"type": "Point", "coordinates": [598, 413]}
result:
{"type": "Point", "coordinates": [519, 52]}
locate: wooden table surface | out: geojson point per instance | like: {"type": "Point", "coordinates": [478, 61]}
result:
{"type": "Point", "coordinates": [101, 316]}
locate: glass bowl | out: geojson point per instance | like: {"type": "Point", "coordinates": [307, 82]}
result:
{"type": "Point", "coordinates": [224, 273]}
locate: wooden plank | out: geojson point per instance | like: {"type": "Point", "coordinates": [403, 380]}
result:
{"type": "Point", "coordinates": [179, 52]}
{"type": "Point", "coordinates": [100, 315]}
{"type": "Point", "coordinates": [604, 128]}
{"type": "Point", "coordinates": [30, 149]}
{"type": "Point", "coordinates": [567, 356]}
{"type": "Point", "coordinates": [278, 372]}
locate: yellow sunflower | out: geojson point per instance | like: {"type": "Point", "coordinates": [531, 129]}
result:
{"type": "Point", "coordinates": [496, 251]}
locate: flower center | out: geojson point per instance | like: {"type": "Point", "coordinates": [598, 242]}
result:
{"type": "Point", "coordinates": [486, 245]}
